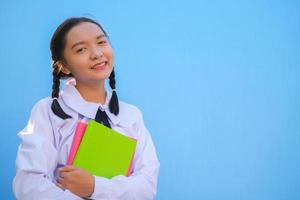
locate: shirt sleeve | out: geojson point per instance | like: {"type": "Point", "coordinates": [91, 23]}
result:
{"type": "Point", "coordinates": [142, 183]}
{"type": "Point", "coordinates": [37, 158]}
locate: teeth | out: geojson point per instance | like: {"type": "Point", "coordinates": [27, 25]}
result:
{"type": "Point", "coordinates": [100, 64]}
{"type": "Point", "coordinates": [103, 63]}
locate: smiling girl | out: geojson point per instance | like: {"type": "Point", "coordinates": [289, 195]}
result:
{"type": "Point", "coordinates": [82, 54]}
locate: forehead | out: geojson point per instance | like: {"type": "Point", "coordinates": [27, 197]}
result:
{"type": "Point", "coordinates": [84, 31]}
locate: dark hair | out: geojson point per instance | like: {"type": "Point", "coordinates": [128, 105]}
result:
{"type": "Point", "coordinates": [57, 45]}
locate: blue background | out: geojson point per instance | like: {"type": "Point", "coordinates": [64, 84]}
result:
{"type": "Point", "coordinates": [218, 83]}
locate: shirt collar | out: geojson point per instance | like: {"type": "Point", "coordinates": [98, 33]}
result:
{"type": "Point", "coordinates": [75, 101]}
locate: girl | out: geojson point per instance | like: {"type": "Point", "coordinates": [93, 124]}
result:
{"type": "Point", "coordinates": [82, 54]}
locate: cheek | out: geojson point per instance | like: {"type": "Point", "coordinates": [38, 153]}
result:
{"type": "Point", "coordinates": [110, 55]}
{"type": "Point", "coordinates": [109, 52]}
{"type": "Point", "coordinates": [76, 65]}
{"type": "Point", "coordinates": [78, 61]}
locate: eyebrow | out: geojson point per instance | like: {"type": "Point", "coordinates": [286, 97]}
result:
{"type": "Point", "coordinates": [82, 42]}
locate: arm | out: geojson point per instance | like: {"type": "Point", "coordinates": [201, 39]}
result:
{"type": "Point", "coordinates": [141, 184]}
{"type": "Point", "coordinates": [37, 158]}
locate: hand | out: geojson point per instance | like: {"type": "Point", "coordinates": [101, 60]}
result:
{"type": "Point", "coordinates": [77, 180]}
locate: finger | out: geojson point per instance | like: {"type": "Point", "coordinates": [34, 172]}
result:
{"type": "Point", "coordinates": [60, 186]}
{"type": "Point", "coordinates": [66, 168]}
{"type": "Point", "coordinates": [63, 174]}
{"type": "Point", "coordinates": [60, 180]}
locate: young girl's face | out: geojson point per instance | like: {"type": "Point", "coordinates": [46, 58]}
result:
{"type": "Point", "coordinates": [88, 54]}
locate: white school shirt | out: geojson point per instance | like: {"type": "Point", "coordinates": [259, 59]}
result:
{"type": "Point", "coordinates": [45, 146]}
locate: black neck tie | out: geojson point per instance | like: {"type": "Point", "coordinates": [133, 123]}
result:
{"type": "Point", "coordinates": [102, 118]}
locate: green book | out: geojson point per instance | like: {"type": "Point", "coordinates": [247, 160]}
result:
{"type": "Point", "coordinates": [105, 152]}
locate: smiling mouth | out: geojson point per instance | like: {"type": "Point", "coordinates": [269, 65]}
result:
{"type": "Point", "coordinates": [100, 66]}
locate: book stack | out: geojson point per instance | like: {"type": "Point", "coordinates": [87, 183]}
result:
{"type": "Point", "coordinates": [101, 150]}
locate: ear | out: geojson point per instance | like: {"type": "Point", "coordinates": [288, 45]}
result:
{"type": "Point", "coordinates": [62, 67]}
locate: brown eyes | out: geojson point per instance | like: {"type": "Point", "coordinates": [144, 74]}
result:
{"type": "Point", "coordinates": [81, 50]}
{"type": "Point", "coordinates": [102, 42]}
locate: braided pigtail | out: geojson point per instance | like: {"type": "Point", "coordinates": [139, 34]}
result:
{"type": "Point", "coordinates": [114, 102]}
{"type": "Point", "coordinates": [56, 108]}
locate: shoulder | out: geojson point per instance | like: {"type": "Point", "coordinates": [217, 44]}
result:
{"type": "Point", "coordinates": [42, 111]}
{"type": "Point", "coordinates": [42, 105]}
{"type": "Point", "coordinates": [39, 121]}
{"type": "Point", "coordinates": [129, 109]}
{"type": "Point", "coordinates": [129, 114]}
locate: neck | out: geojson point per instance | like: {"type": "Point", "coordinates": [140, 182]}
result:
{"type": "Point", "coordinates": [92, 93]}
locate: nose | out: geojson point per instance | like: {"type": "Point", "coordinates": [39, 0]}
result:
{"type": "Point", "coordinates": [96, 53]}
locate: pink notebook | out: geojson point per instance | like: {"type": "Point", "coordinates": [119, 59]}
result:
{"type": "Point", "coordinates": [79, 132]}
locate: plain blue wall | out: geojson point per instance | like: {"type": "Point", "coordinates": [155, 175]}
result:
{"type": "Point", "coordinates": [218, 83]}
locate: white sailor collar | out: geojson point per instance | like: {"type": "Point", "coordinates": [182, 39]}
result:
{"type": "Point", "coordinates": [72, 98]}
